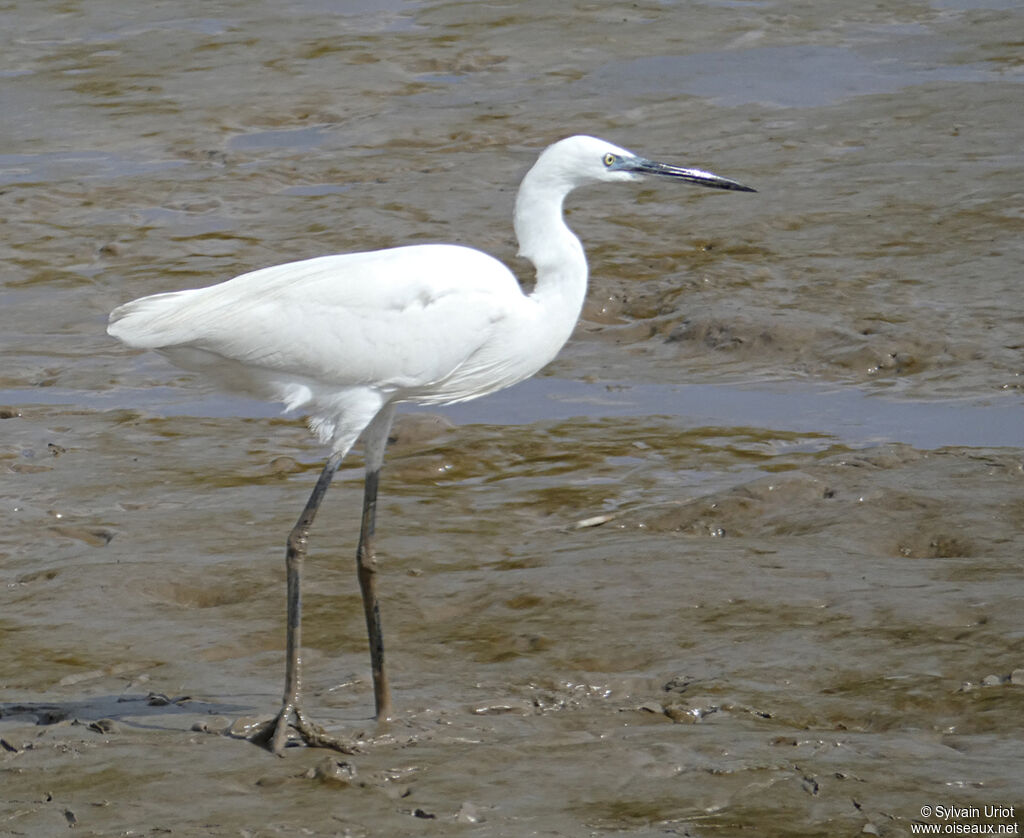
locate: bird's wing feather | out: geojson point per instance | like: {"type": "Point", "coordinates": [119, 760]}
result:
{"type": "Point", "coordinates": [399, 318]}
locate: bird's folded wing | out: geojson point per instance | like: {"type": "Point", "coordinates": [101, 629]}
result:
{"type": "Point", "coordinates": [397, 318]}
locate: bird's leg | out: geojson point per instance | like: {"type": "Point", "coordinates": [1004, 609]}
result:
{"type": "Point", "coordinates": [275, 736]}
{"type": "Point", "coordinates": [375, 441]}
{"type": "Point", "coordinates": [366, 565]}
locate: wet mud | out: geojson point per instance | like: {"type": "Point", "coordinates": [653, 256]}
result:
{"type": "Point", "coordinates": [745, 560]}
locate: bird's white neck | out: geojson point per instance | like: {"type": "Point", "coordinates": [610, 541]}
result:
{"type": "Point", "coordinates": [546, 240]}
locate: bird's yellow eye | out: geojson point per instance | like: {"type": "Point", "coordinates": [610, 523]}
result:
{"type": "Point", "coordinates": [609, 159]}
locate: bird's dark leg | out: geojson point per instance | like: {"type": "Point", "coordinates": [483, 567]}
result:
{"type": "Point", "coordinates": [366, 565]}
{"type": "Point", "coordinates": [375, 442]}
{"type": "Point", "coordinates": [275, 736]}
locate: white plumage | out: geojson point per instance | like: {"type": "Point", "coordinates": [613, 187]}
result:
{"type": "Point", "coordinates": [346, 338]}
{"type": "Point", "coordinates": [431, 324]}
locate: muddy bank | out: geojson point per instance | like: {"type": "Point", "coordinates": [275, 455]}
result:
{"type": "Point", "coordinates": [745, 560]}
{"type": "Point", "coordinates": [709, 629]}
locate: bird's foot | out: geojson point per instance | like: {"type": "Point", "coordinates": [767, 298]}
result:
{"type": "Point", "coordinates": [275, 734]}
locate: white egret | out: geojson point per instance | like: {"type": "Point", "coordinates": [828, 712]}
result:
{"type": "Point", "coordinates": [346, 338]}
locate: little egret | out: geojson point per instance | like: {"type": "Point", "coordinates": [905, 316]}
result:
{"type": "Point", "coordinates": [346, 338]}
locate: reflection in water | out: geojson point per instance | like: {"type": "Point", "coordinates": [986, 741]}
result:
{"type": "Point", "coordinates": [841, 414]}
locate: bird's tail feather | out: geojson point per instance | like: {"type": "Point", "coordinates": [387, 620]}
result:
{"type": "Point", "coordinates": [151, 322]}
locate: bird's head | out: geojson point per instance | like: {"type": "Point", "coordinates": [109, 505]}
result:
{"type": "Point", "coordinates": [581, 159]}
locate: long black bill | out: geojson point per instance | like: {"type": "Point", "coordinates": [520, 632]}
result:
{"type": "Point", "coordinates": [697, 176]}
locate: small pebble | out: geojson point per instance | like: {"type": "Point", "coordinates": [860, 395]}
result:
{"type": "Point", "coordinates": [523, 708]}
{"type": "Point", "coordinates": [596, 521]}
{"type": "Point", "coordinates": [218, 726]}
{"type": "Point", "coordinates": [330, 770]}
{"type": "Point", "coordinates": [161, 700]}
{"type": "Point", "coordinates": [468, 814]}
{"type": "Point", "coordinates": [682, 713]}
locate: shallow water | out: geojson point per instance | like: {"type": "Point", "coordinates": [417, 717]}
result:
{"type": "Point", "coordinates": [744, 560]}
